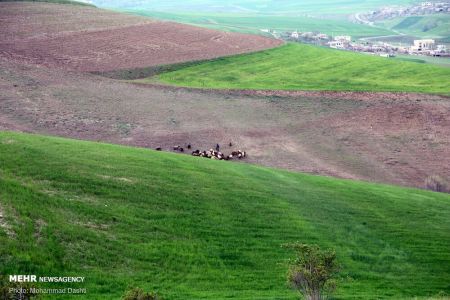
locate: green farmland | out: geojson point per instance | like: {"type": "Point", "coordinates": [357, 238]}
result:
{"type": "Point", "coordinates": [191, 228]}
{"type": "Point", "coordinates": [276, 7]}
{"type": "Point", "coordinates": [304, 67]}
{"type": "Point", "coordinates": [253, 23]}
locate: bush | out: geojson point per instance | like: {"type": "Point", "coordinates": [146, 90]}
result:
{"type": "Point", "coordinates": [22, 290]}
{"type": "Point", "coordinates": [312, 271]}
{"type": "Point", "coordinates": [437, 184]}
{"type": "Point", "coordinates": [139, 294]}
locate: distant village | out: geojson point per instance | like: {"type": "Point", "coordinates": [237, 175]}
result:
{"type": "Point", "coordinates": [428, 47]}
{"type": "Point", "coordinates": [419, 47]}
{"type": "Point", "coordinates": [389, 12]}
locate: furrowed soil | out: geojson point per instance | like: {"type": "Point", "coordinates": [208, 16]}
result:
{"type": "Point", "coordinates": [91, 39]}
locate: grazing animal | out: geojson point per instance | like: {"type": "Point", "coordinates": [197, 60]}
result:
{"type": "Point", "coordinates": [159, 149]}
{"type": "Point", "coordinates": [181, 149]}
{"type": "Point", "coordinates": [189, 146]}
{"type": "Point", "coordinates": [217, 147]}
{"type": "Point", "coordinates": [176, 148]}
{"type": "Point", "coordinates": [230, 144]}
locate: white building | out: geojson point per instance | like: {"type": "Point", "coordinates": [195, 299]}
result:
{"type": "Point", "coordinates": [343, 38]}
{"type": "Point", "coordinates": [295, 35]}
{"type": "Point", "coordinates": [337, 44]}
{"type": "Point", "coordinates": [423, 45]}
{"type": "Point", "coordinates": [441, 48]}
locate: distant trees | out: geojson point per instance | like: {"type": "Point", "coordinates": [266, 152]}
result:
{"type": "Point", "coordinates": [139, 294]}
{"type": "Point", "coordinates": [312, 271]}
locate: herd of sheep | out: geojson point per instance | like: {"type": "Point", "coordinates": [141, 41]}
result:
{"type": "Point", "coordinates": [211, 153]}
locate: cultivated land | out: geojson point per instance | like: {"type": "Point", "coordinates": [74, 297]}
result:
{"type": "Point", "coordinates": [305, 67]}
{"type": "Point", "coordinates": [253, 23]}
{"type": "Point", "coordinates": [192, 228]}
{"type": "Point", "coordinates": [335, 8]}
{"type": "Point", "coordinates": [111, 42]}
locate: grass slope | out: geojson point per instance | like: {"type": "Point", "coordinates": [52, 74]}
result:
{"type": "Point", "coordinates": [285, 7]}
{"type": "Point", "coordinates": [253, 23]}
{"type": "Point", "coordinates": [305, 67]}
{"type": "Point", "coordinates": [193, 228]}
{"type": "Point", "coordinates": [430, 26]}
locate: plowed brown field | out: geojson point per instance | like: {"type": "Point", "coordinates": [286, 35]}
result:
{"type": "Point", "coordinates": [90, 39]}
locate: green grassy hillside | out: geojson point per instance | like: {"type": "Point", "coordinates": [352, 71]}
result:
{"type": "Point", "coordinates": [192, 228]}
{"type": "Point", "coordinates": [431, 26]}
{"type": "Point", "coordinates": [305, 67]}
{"type": "Point", "coordinates": [315, 7]}
{"type": "Point", "coordinates": [253, 23]}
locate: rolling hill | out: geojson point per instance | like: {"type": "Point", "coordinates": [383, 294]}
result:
{"type": "Point", "coordinates": [304, 67]}
{"type": "Point", "coordinates": [192, 228]}
{"type": "Point", "coordinates": [285, 7]}
{"type": "Point", "coordinates": [253, 23]}
{"type": "Point", "coordinates": [430, 26]}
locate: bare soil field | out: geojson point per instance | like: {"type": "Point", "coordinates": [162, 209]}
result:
{"type": "Point", "coordinates": [391, 138]}
{"type": "Point", "coordinates": [89, 39]}
{"type": "Point", "coordinates": [28, 20]}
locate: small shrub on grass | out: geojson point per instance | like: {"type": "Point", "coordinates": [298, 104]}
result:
{"type": "Point", "coordinates": [312, 271]}
{"type": "Point", "coordinates": [139, 294]}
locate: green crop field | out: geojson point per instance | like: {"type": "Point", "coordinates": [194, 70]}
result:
{"type": "Point", "coordinates": [253, 23]}
{"type": "Point", "coordinates": [313, 7]}
{"type": "Point", "coordinates": [191, 228]}
{"type": "Point", "coordinates": [305, 67]}
{"type": "Point", "coordinates": [441, 61]}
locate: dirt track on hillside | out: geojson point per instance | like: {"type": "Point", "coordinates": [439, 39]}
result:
{"type": "Point", "coordinates": [53, 37]}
